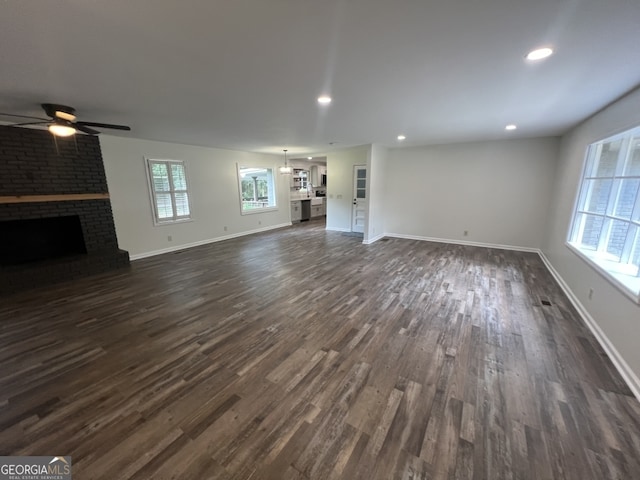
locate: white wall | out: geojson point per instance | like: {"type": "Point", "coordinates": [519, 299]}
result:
{"type": "Point", "coordinates": [376, 171]}
{"type": "Point", "coordinates": [497, 190]}
{"type": "Point", "coordinates": [612, 312]}
{"type": "Point", "coordinates": [340, 185]}
{"type": "Point", "coordinates": [213, 185]}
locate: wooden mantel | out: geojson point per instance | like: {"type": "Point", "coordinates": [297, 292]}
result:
{"type": "Point", "coordinates": [53, 198]}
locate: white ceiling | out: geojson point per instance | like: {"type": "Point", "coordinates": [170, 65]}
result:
{"type": "Point", "coordinates": [245, 74]}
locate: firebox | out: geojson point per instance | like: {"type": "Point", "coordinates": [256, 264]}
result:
{"type": "Point", "coordinates": [37, 239]}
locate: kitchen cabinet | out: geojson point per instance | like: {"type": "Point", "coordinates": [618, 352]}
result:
{"type": "Point", "coordinates": [316, 211]}
{"type": "Point", "coordinates": [318, 172]}
{"type": "Point", "coordinates": [296, 212]}
{"type": "Point", "coordinates": [318, 208]}
{"type": "Point", "coordinates": [299, 179]}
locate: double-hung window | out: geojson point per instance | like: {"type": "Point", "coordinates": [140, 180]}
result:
{"type": "Point", "coordinates": [606, 220]}
{"type": "Point", "coordinates": [169, 190]}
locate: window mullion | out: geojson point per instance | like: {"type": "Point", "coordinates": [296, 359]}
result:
{"type": "Point", "coordinates": [627, 249]}
{"type": "Point", "coordinates": [581, 227]}
{"type": "Point", "coordinates": [605, 231]}
{"type": "Point", "coordinates": [616, 182]}
{"type": "Point", "coordinates": [155, 191]}
{"type": "Point", "coordinates": [623, 155]}
{"type": "Point", "coordinates": [635, 212]}
{"type": "Point", "coordinates": [595, 154]}
{"type": "Point", "coordinates": [614, 197]}
{"type": "Point", "coordinates": [588, 186]}
{"type": "Point", "coordinates": [172, 191]}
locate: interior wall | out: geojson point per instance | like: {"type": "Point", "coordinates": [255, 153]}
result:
{"type": "Point", "coordinates": [340, 185]}
{"type": "Point", "coordinates": [496, 191]}
{"type": "Point", "coordinates": [213, 187]}
{"type": "Point", "coordinates": [615, 314]}
{"type": "Point", "coordinates": [377, 165]}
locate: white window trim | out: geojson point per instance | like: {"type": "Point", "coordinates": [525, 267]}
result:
{"type": "Point", "coordinates": [611, 271]}
{"type": "Point", "coordinates": [275, 191]}
{"type": "Point", "coordinates": [152, 197]}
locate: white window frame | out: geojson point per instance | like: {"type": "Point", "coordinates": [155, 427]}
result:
{"type": "Point", "coordinates": [618, 271]}
{"type": "Point", "coordinates": [172, 192]}
{"type": "Point", "coordinates": [272, 203]}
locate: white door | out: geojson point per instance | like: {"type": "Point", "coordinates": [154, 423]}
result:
{"type": "Point", "coordinates": [359, 209]}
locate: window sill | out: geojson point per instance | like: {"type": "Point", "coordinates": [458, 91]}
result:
{"type": "Point", "coordinates": [172, 222]}
{"type": "Point", "coordinates": [258, 210]}
{"type": "Point", "coordinates": [613, 272]}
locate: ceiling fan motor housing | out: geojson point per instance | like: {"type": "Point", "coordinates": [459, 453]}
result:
{"type": "Point", "coordinates": [64, 112]}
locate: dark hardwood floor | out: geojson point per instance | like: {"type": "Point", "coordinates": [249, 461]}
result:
{"type": "Point", "coordinates": [303, 354]}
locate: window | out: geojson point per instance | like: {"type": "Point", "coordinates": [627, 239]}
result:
{"type": "Point", "coordinates": [257, 189]}
{"type": "Point", "coordinates": [168, 185]}
{"type": "Point", "coordinates": [606, 221]}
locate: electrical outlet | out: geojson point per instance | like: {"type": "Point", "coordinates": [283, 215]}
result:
{"type": "Point", "coordinates": [225, 228]}
{"type": "Point", "coordinates": [259, 222]}
{"type": "Point", "coordinates": [590, 293]}
{"type": "Point", "coordinates": [466, 232]}
{"type": "Point", "coordinates": [169, 238]}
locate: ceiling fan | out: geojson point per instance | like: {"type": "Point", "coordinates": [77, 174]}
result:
{"type": "Point", "coordinates": [62, 121]}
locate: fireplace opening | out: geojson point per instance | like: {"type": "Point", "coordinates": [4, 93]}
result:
{"type": "Point", "coordinates": [37, 239]}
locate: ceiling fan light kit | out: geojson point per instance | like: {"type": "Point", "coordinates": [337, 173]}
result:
{"type": "Point", "coordinates": [61, 130]}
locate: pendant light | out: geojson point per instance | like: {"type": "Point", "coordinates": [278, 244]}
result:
{"type": "Point", "coordinates": [286, 170]}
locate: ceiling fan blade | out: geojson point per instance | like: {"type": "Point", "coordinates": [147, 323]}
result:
{"type": "Point", "coordinates": [22, 116]}
{"type": "Point", "coordinates": [29, 123]}
{"type": "Point", "coordinates": [105, 125]}
{"type": "Point", "coordinates": [87, 130]}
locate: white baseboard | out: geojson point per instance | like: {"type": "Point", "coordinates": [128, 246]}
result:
{"type": "Point", "coordinates": [184, 246]}
{"type": "Point", "coordinates": [463, 242]}
{"type": "Point", "coordinates": [336, 229]}
{"type": "Point", "coordinates": [621, 365]}
{"type": "Point", "coordinates": [374, 239]}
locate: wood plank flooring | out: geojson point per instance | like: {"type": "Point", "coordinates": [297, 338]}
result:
{"type": "Point", "coordinates": [303, 354]}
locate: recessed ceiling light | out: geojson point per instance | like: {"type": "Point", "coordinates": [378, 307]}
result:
{"type": "Point", "coordinates": [539, 53]}
{"type": "Point", "coordinates": [401, 137]}
{"type": "Point", "coordinates": [511, 127]}
{"type": "Point", "coordinates": [324, 100]}
{"type": "Point", "coordinates": [309, 158]}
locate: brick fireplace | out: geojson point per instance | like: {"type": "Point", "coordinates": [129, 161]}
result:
{"type": "Point", "coordinates": [55, 214]}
